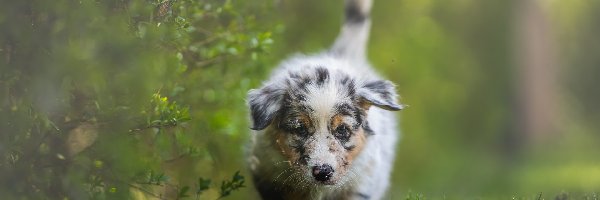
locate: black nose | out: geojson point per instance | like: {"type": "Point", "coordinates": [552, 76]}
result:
{"type": "Point", "coordinates": [323, 172]}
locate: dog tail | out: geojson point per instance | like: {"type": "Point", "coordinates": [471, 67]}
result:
{"type": "Point", "coordinates": [351, 43]}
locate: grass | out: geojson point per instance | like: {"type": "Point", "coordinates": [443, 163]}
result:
{"type": "Point", "coordinates": [539, 196]}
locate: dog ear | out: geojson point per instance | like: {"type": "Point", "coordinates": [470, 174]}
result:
{"type": "Point", "coordinates": [379, 93]}
{"type": "Point", "coordinates": [264, 104]}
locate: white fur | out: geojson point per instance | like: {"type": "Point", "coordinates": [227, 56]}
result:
{"type": "Point", "coordinates": [374, 164]}
{"type": "Point", "coordinates": [371, 170]}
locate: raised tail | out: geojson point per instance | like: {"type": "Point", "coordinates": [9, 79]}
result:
{"type": "Point", "coordinates": [351, 43]}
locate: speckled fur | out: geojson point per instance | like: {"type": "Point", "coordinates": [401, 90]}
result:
{"type": "Point", "coordinates": [328, 108]}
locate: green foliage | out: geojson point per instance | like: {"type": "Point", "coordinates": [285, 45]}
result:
{"type": "Point", "coordinates": [202, 185]}
{"type": "Point", "coordinates": [228, 186]}
{"type": "Point", "coordinates": [183, 192]}
{"type": "Point", "coordinates": [81, 115]}
{"type": "Point", "coordinates": [411, 196]}
{"type": "Point", "coordinates": [539, 196]}
{"type": "Point", "coordinates": [164, 114]}
{"type": "Point", "coordinates": [122, 99]}
{"type": "Point", "coordinates": [156, 179]}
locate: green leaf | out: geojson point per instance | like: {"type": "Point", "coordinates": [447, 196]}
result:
{"type": "Point", "coordinates": [203, 184]}
{"type": "Point", "coordinates": [183, 192]}
{"type": "Point", "coordinates": [236, 182]}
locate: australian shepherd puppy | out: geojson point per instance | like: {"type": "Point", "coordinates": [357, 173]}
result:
{"type": "Point", "coordinates": [322, 123]}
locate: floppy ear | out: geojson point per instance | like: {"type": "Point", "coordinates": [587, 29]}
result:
{"type": "Point", "coordinates": [379, 93]}
{"type": "Point", "coordinates": [264, 104]}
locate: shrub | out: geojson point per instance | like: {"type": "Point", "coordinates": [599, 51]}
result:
{"type": "Point", "coordinates": [112, 99]}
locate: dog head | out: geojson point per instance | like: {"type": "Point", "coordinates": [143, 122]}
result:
{"type": "Point", "coordinates": [317, 117]}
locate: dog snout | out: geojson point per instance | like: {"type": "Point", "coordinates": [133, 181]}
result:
{"type": "Point", "coordinates": [323, 172]}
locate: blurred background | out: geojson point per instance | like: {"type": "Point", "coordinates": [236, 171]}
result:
{"type": "Point", "coordinates": [145, 99]}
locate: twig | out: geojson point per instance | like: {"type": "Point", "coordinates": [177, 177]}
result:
{"type": "Point", "coordinates": [207, 40]}
{"type": "Point", "coordinates": [144, 190]}
{"type": "Point", "coordinates": [209, 61]}
{"type": "Point", "coordinates": [111, 177]}
{"type": "Point", "coordinates": [153, 126]}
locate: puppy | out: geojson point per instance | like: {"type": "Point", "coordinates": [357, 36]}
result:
{"type": "Point", "coordinates": [322, 123]}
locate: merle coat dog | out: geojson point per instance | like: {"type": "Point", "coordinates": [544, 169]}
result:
{"type": "Point", "coordinates": [322, 123]}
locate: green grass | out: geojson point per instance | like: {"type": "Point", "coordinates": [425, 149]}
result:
{"type": "Point", "coordinates": [539, 196]}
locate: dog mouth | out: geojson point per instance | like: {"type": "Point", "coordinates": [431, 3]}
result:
{"type": "Point", "coordinates": [320, 182]}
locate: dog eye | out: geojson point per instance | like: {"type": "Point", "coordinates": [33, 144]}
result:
{"type": "Point", "coordinates": [342, 132]}
{"type": "Point", "coordinates": [297, 127]}
{"type": "Point", "coordinates": [301, 130]}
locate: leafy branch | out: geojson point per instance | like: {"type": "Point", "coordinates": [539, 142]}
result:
{"type": "Point", "coordinates": [228, 186]}
{"type": "Point", "coordinates": [202, 185]}
{"type": "Point", "coordinates": [164, 114]}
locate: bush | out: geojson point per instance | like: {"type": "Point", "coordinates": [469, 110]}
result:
{"type": "Point", "coordinates": [121, 98]}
